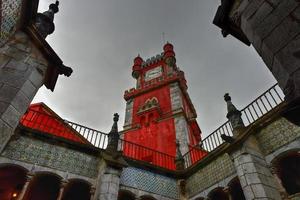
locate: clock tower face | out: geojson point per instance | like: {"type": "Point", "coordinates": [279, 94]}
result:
{"type": "Point", "coordinates": [153, 73]}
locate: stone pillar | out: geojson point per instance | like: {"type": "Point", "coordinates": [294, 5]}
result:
{"type": "Point", "coordinates": [255, 177]}
{"type": "Point", "coordinates": [279, 185]}
{"type": "Point", "coordinates": [22, 71]}
{"type": "Point", "coordinates": [25, 187]}
{"type": "Point", "coordinates": [92, 192]}
{"type": "Point", "coordinates": [61, 189]}
{"type": "Point", "coordinates": [109, 184]}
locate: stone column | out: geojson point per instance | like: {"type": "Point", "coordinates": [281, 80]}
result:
{"type": "Point", "coordinates": [61, 189]}
{"type": "Point", "coordinates": [109, 184]}
{"type": "Point", "coordinates": [22, 70]}
{"type": "Point", "coordinates": [255, 177]}
{"type": "Point", "coordinates": [22, 194]}
{"type": "Point", "coordinates": [92, 192]}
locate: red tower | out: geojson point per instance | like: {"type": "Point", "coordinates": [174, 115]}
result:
{"type": "Point", "coordinates": [159, 110]}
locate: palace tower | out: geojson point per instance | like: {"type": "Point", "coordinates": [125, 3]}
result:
{"type": "Point", "coordinates": [159, 111]}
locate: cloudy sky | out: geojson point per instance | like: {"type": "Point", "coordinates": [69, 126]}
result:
{"type": "Point", "coordinates": [100, 38]}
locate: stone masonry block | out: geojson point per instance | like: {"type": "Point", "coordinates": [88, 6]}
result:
{"type": "Point", "coordinates": [258, 191]}
{"type": "Point", "coordinates": [262, 12]}
{"type": "Point", "coordinates": [29, 90]}
{"type": "Point", "coordinates": [275, 18]}
{"type": "Point", "coordinates": [4, 59]}
{"type": "Point", "coordinates": [16, 65]}
{"type": "Point", "coordinates": [252, 8]}
{"type": "Point", "coordinates": [3, 106]}
{"type": "Point", "coordinates": [282, 35]}
{"type": "Point", "coordinates": [243, 5]}
{"type": "Point", "coordinates": [104, 187]}
{"type": "Point", "coordinates": [288, 57]}
{"type": "Point", "coordinates": [20, 102]}
{"type": "Point", "coordinates": [15, 53]}
{"type": "Point", "coordinates": [7, 93]}
{"type": "Point", "coordinates": [36, 78]}
{"type": "Point", "coordinates": [5, 132]}
{"type": "Point", "coordinates": [11, 116]}
{"type": "Point", "coordinates": [252, 178]}
{"type": "Point", "coordinates": [13, 79]}
{"type": "Point", "coordinates": [280, 73]}
{"type": "Point", "coordinates": [249, 194]}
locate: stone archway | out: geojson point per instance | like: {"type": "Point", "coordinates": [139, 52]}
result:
{"type": "Point", "coordinates": [218, 194]}
{"type": "Point", "coordinates": [126, 195]}
{"type": "Point", "coordinates": [288, 170]}
{"type": "Point", "coordinates": [77, 189]}
{"type": "Point", "coordinates": [44, 186]}
{"type": "Point", "coordinates": [12, 180]}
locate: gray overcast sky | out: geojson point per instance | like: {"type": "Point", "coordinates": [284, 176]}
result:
{"type": "Point", "coordinates": [100, 38]}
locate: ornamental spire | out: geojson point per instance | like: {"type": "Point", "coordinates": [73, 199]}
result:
{"type": "Point", "coordinates": [44, 21]}
{"type": "Point", "coordinates": [113, 136]}
{"type": "Point", "coordinates": [234, 115]}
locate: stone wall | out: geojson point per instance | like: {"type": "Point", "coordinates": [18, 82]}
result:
{"type": "Point", "coordinates": [139, 179]}
{"type": "Point", "coordinates": [277, 134]}
{"type": "Point", "coordinates": [22, 72]}
{"type": "Point", "coordinates": [210, 174]}
{"type": "Point", "coordinates": [33, 151]}
{"type": "Point", "coordinates": [273, 28]}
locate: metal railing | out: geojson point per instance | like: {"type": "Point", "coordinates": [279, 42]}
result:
{"type": "Point", "coordinates": [142, 153]}
{"type": "Point", "coordinates": [252, 112]}
{"type": "Point", "coordinates": [262, 104]}
{"type": "Point", "coordinates": [54, 125]}
{"type": "Point", "coordinates": [47, 123]}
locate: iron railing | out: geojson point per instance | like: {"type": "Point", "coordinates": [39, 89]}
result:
{"type": "Point", "coordinates": [69, 130]}
{"type": "Point", "coordinates": [262, 104]}
{"type": "Point", "coordinates": [252, 112]}
{"type": "Point", "coordinates": [142, 153]}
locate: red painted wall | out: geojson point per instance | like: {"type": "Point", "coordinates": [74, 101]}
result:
{"type": "Point", "coordinates": [153, 133]}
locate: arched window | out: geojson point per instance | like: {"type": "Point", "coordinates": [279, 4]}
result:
{"type": "Point", "coordinates": [288, 169]}
{"type": "Point", "coordinates": [235, 190]}
{"type": "Point", "coordinates": [44, 186]}
{"type": "Point", "coordinates": [218, 194]}
{"type": "Point", "coordinates": [12, 180]}
{"type": "Point", "coordinates": [77, 190]}
{"type": "Point", "coordinates": [126, 195]}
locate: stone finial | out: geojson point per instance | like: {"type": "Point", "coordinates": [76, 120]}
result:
{"type": "Point", "coordinates": [44, 21]}
{"type": "Point", "coordinates": [233, 114]}
{"type": "Point", "coordinates": [179, 161]}
{"type": "Point", "coordinates": [113, 136]}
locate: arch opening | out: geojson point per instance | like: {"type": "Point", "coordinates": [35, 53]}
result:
{"type": "Point", "coordinates": [77, 190]}
{"type": "Point", "coordinates": [288, 169]}
{"type": "Point", "coordinates": [236, 190]}
{"type": "Point", "coordinates": [218, 194]}
{"type": "Point", "coordinates": [43, 186]}
{"type": "Point", "coordinates": [126, 195]}
{"type": "Point", "coordinates": [12, 180]}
